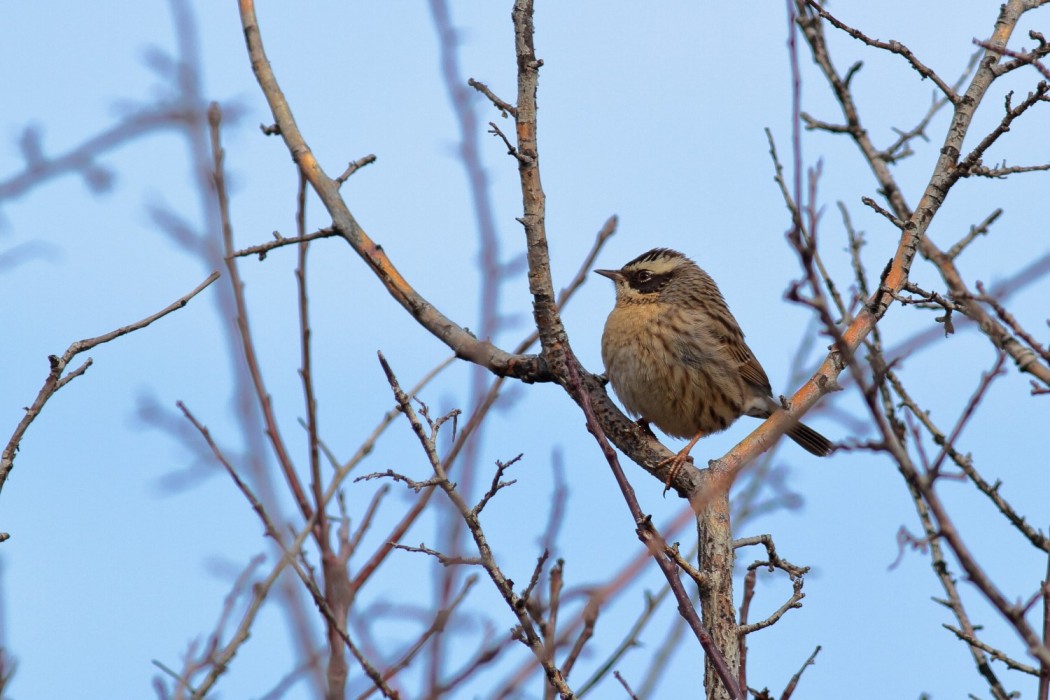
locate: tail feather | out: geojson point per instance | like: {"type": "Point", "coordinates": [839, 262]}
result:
{"type": "Point", "coordinates": [810, 440]}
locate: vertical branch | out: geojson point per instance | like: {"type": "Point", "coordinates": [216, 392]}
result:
{"type": "Point", "coordinates": [716, 555]}
{"type": "Point", "coordinates": [336, 582]}
{"type": "Point", "coordinates": [534, 201]}
{"type": "Point", "coordinates": [247, 343]}
{"type": "Point", "coordinates": [716, 558]}
{"type": "Point", "coordinates": [305, 372]}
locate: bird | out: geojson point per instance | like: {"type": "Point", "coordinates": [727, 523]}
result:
{"type": "Point", "coordinates": [676, 356]}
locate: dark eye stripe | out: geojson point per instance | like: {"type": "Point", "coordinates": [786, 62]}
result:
{"type": "Point", "coordinates": [654, 283]}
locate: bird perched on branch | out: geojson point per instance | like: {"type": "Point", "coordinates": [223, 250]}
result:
{"type": "Point", "coordinates": [677, 358]}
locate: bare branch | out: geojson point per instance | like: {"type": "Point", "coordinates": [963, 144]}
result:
{"type": "Point", "coordinates": [980, 229]}
{"type": "Point", "coordinates": [55, 379]}
{"type": "Point", "coordinates": [1021, 58]}
{"type": "Point", "coordinates": [892, 46]}
{"type": "Point", "coordinates": [501, 467]}
{"type": "Point", "coordinates": [992, 651]}
{"type": "Point", "coordinates": [1001, 171]}
{"type": "Point", "coordinates": [793, 683]}
{"type": "Point", "coordinates": [502, 106]}
{"type": "Point", "coordinates": [965, 167]}
{"type": "Point", "coordinates": [444, 559]}
{"type": "Point", "coordinates": [279, 242]}
{"type": "Point", "coordinates": [986, 381]}
{"type": "Point", "coordinates": [889, 215]}
{"type": "Point", "coordinates": [795, 601]}
{"type": "Point", "coordinates": [965, 463]}
{"type": "Point", "coordinates": [528, 632]}
{"type": "Point", "coordinates": [438, 626]}
{"type": "Point", "coordinates": [461, 341]}
{"type": "Point", "coordinates": [630, 693]}
{"type": "Point", "coordinates": [355, 166]}
{"type": "Point", "coordinates": [629, 641]}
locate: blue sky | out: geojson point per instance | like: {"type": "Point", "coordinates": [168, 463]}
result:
{"type": "Point", "coordinates": [654, 114]}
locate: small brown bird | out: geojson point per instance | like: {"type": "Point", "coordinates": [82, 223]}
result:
{"type": "Point", "coordinates": [677, 358]}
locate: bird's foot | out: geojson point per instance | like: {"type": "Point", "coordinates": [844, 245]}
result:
{"type": "Point", "coordinates": [674, 464]}
{"type": "Point", "coordinates": [678, 461]}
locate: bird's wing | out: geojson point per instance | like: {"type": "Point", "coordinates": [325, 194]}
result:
{"type": "Point", "coordinates": [748, 366]}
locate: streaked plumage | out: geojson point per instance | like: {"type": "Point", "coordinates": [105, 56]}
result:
{"type": "Point", "coordinates": [676, 357]}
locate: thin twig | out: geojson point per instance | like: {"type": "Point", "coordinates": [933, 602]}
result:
{"type": "Point", "coordinates": [892, 46]}
{"type": "Point", "coordinates": [630, 693]}
{"type": "Point", "coordinates": [355, 166]}
{"type": "Point", "coordinates": [793, 683]}
{"type": "Point", "coordinates": [980, 229]}
{"type": "Point", "coordinates": [528, 632]}
{"type": "Point", "coordinates": [1021, 58]}
{"type": "Point", "coordinates": [992, 651]}
{"type": "Point", "coordinates": [279, 242]}
{"type": "Point", "coordinates": [261, 589]}
{"type": "Point", "coordinates": [56, 380]}
{"type": "Point", "coordinates": [500, 104]}
{"type": "Point", "coordinates": [444, 559]}
{"type": "Point", "coordinates": [262, 396]}
{"type": "Point", "coordinates": [629, 641]}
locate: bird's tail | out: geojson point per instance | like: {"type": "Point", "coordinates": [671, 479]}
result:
{"type": "Point", "coordinates": [810, 440]}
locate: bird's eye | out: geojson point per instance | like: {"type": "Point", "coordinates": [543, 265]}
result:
{"type": "Point", "coordinates": [643, 276]}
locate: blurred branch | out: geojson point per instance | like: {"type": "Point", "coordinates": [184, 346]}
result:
{"type": "Point", "coordinates": [630, 640]}
{"type": "Point", "coordinates": [436, 627]}
{"type": "Point", "coordinates": [247, 348]}
{"type": "Point", "coordinates": [493, 276]}
{"type": "Point", "coordinates": [222, 657]}
{"type": "Point", "coordinates": [82, 158]}
{"type": "Point", "coordinates": [261, 589]}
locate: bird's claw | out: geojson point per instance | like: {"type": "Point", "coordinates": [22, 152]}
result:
{"type": "Point", "coordinates": [675, 464]}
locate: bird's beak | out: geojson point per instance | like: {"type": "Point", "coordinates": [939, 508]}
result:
{"type": "Point", "coordinates": [614, 275]}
